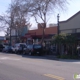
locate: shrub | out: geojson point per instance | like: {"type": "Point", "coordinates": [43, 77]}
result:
{"type": "Point", "coordinates": [68, 57]}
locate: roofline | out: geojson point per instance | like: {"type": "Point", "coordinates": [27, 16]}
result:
{"type": "Point", "coordinates": [70, 17]}
{"type": "Point", "coordinates": [2, 36]}
{"type": "Point", "coordinates": [45, 28]}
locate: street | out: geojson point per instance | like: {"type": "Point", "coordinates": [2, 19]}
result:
{"type": "Point", "coordinates": [21, 67]}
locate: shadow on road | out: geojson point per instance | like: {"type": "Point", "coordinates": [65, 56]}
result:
{"type": "Point", "coordinates": [47, 57]}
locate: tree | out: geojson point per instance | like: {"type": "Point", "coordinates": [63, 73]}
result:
{"type": "Point", "coordinates": [59, 40]}
{"type": "Point", "coordinates": [68, 40]}
{"type": "Point", "coordinates": [20, 19]}
{"type": "Point", "coordinates": [4, 22]}
{"type": "Point", "coordinates": [71, 42]}
{"type": "Point", "coordinates": [40, 9]}
{"type": "Point", "coordinates": [14, 18]}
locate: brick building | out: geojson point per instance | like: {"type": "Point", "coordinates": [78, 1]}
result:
{"type": "Point", "coordinates": [37, 33]}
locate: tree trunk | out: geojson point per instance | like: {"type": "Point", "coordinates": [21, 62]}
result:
{"type": "Point", "coordinates": [43, 33]}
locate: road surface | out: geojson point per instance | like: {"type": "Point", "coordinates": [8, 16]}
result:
{"type": "Point", "coordinates": [20, 67]}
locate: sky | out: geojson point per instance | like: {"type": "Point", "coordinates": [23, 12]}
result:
{"type": "Point", "coordinates": [72, 8]}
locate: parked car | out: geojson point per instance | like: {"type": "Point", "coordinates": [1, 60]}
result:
{"type": "Point", "coordinates": [19, 47]}
{"type": "Point", "coordinates": [35, 49]}
{"type": "Point", "coordinates": [7, 48]}
{"type": "Point", "coordinates": [1, 47]}
{"type": "Point", "coordinates": [29, 49]}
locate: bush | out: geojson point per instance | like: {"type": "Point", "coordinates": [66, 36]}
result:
{"type": "Point", "coordinates": [68, 57]}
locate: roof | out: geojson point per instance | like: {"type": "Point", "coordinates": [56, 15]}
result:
{"type": "Point", "coordinates": [50, 30]}
{"type": "Point", "coordinates": [70, 17]}
{"type": "Point", "coordinates": [2, 38]}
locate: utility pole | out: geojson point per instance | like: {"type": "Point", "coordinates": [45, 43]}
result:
{"type": "Point", "coordinates": [16, 35]}
{"type": "Point", "coordinates": [10, 30]}
{"type": "Point", "coordinates": [11, 24]}
{"type": "Point", "coordinates": [10, 35]}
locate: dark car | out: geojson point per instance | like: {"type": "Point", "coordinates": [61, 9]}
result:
{"type": "Point", "coordinates": [36, 50]}
{"type": "Point", "coordinates": [1, 47]}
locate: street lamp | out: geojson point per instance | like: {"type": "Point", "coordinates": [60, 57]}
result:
{"type": "Point", "coordinates": [16, 34]}
{"type": "Point", "coordinates": [58, 34]}
{"type": "Point", "coordinates": [58, 24]}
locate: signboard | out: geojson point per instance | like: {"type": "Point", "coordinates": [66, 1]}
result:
{"type": "Point", "coordinates": [13, 32]}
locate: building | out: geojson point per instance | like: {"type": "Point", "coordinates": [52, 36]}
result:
{"type": "Point", "coordinates": [72, 25]}
{"type": "Point", "coordinates": [2, 39]}
{"type": "Point", "coordinates": [16, 34]}
{"type": "Point", "coordinates": [37, 33]}
{"type": "Point", "coordinates": [51, 30]}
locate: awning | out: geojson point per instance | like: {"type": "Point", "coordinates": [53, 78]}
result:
{"type": "Point", "coordinates": [36, 36]}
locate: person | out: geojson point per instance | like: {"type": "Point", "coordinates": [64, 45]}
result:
{"type": "Point", "coordinates": [51, 47]}
{"type": "Point", "coordinates": [21, 49]}
{"type": "Point", "coordinates": [43, 44]}
{"type": "Point", "coordinates": [78, 49]}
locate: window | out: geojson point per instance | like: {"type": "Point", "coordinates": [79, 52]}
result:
{"type": "Point", "coordinates": [74, 31]}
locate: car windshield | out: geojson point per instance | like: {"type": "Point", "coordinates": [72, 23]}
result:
{"type": "Point", "coordinates": [30, 46]}
{"type": "Point", "coordinates": [37, 46]}
{"type": "Point", "coordinates": [6, 47]}
{"type": "Point", "coordinates": [23, 45]}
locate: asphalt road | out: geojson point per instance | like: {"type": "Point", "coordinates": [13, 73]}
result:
{"type": "Point", "coordinates": [19, 67]}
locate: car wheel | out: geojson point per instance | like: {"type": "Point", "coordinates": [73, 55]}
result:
{"type": "Point", "coordinates": [6, 51]}
{"type": "Point", "coordinates": [24, 52]}
{"type": "Point", "coordinates": [30, 53]}
{"type": "Point", "coordinates": [15, 51]}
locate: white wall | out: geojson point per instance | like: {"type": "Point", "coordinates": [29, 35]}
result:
{"type": "Point", "coordinates": [71, 25]}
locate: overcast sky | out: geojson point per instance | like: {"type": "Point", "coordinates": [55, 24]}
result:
{"type": "Point", "coordinates": [73, 8]}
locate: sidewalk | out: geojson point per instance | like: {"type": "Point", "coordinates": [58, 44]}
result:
{"type": "Point", "coordinates": [70, 60]}
{"type": "Point", "coordinates": [52, 57]}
